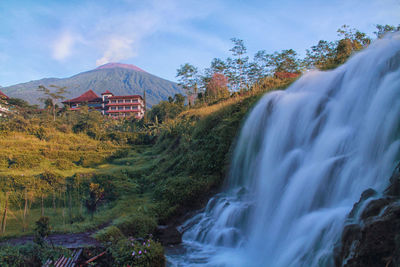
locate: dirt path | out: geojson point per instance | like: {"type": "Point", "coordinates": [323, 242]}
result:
{"type": "Point", "coordinates": [71, 240]}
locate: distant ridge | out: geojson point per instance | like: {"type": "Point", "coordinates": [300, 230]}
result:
{"type": "Point", "coordinates": [113, 65]}
{"type": "Point", "coordinates": [119, 78]}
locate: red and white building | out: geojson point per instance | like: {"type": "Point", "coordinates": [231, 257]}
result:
{"type": "Point", "coordinates": [3, 105]}
{"type": "Point", "coordinates": [109, 104]}
{"type": "Point", "coordinates": [122, 106]}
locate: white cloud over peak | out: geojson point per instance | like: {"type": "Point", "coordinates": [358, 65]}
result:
{"type": "Point", "coordinates": [62, 46]}
{"type": "Point", "coordinates": [118, 48]}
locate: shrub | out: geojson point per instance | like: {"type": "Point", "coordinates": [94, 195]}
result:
{"type": "Point", "coordinates": [64, 128]}
{"type": "Point", "coordinates": [137, 252]}
{"type": "Point", "coordinates": [19, 161]}
{"type": "Point", "coordinates": [137, 225]}
{"type": "Point", "coordinates": [29, 254]}
{"type": "Point", "coordinates": [10, 256]}
{"type": "Point", "coordinates": [109, 234]}
{"type": "Point", "coordinates": [122, 153]}
{"type": "Point", "coordinates": [3, 161]}
{"type": "Point", "coordinates": [63, 164]}
{"type": "Point", "coordinates": [40, 133]}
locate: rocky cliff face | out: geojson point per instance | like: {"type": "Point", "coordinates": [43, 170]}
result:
{"type": "Point", "coordinates": [372, 236]}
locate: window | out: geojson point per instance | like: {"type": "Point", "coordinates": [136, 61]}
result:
{"type": "Point", "coordinates": [121, 101]}
{"type": "Point", "coordinates": [120, 108]}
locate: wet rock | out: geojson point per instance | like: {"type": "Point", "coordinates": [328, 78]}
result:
{"type": "Point", "coordinates": [375, 240]}
{"type": "Point", "coordinates": [168, 235]}
{"type": "Point", "coordinates": [374, 208]}
{"type": "Point", "coordinates": [350, 236]}
{"type": "Point", "coordinates": [364, 196]}
{"type": "Point", "coordinates": [394, 187]}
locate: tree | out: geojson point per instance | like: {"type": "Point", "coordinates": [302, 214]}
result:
{"type": "Point", "coordinates": [96, 194]}
{"type": "Point", "coordinates": [52, 97]}
{"type": "Point", "coordinates": [42, 230]}
{"type": "Point", "coordinates": [188, 78]}
{"type": "Point", "coordinates": [384, 29]}
{"type": "Point", "coordinates": [320, 56]}
{"type": "Point", "coordinates": [179, 100]}
{"type": "Point", "coordinates": [285, 61]}
{"type": "Point", "coordinates": [217, 66]}
{"type": "Point", "coordinates": [4, 220]}
{"type": "Point", "coordinates": [166, 110]}
{"type": "Point", "coordinates": [352, 40]}
{"type": "Point", "coordinates": [217, 87]}
{"type": "Point", "coordinates": [237, 67]}
{"type": "Point", "coordinates": [262, 64]}
{"type": "Point", "coordinates": [359, 39]}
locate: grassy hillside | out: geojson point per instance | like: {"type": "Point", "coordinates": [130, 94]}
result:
{"type": "Point", "coordinates": [120, 177]}
{"type": "Point", "coordinates": [166, 169]}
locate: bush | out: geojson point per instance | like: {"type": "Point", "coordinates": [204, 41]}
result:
{"type": "Point", "coordinates": [122, 153]}
{"type": "Point", "coordinates": [11, 256]}
{"type": "Point", "coordinates": [137, 225]}
{"type": "Point", "coordinates": [29, 254]}
{"type": "Point", "coordinates": [109, 234]}
{"type": "Point", "coordinates": [137, 252]}
{"type": "Point", "coordinates": [20, 161]}
{"type": "Point", "coordinates": [63, 164]}
{"type": "Point", "coordinates": [40, 133]}
{"type": "Point", "coordinates": [3, 161]}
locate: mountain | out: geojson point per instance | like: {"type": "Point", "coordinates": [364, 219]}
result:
{"type": "Point", "coordinates": [120, 79]}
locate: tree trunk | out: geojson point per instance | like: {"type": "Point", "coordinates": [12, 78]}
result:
{"type": "Point", "coordinates": [4, 220]}
{"type": "Point", "coordinates": [25, 211]}
{"type": "Point", "coordinates": [70, 205]}
{"type": "Point", "coordinates": [42, 207]}
{"type": "Point", "coordinates": [63, 212]}
{"type": "Point", "coordinates": [54, 202]}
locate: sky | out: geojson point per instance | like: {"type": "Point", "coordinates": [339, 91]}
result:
{"type": "Point", "coordinates": [47, 38]}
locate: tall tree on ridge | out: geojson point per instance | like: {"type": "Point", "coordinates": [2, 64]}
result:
{"type": "Point", "coordinates": [188, 78]}
{"type": "Point", "coordinates": [238, 65]}
{"type": "Point", "coordinates": [54, 96]}
{"type": "Point", "coordinates": [384, 29]}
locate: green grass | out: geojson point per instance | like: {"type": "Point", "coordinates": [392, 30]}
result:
{"type": "Point", "coordinates": [187, 164]}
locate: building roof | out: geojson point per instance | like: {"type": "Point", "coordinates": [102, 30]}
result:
{"type": "Point", "coordinates": [2, 95]}
{"type": "Point", "coordinates": [88, 96]}
{"type": "Point", "coordinates": [125, 96]}
{"type": "Point", "coordinates": [107, 93]}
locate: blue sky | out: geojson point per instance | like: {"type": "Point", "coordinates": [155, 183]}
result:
{"type": "Point", "coordinates": [47, 38]}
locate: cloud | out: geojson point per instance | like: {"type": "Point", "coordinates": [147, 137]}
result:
{"type": "Point", "coordinates": [62, 47]}
{"type": "Point", "coordinates": [120, 35]}
{"type": "Point", "coordinates": [118, 48]}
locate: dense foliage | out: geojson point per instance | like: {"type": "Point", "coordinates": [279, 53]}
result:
{"type": "Point", "coordinates": [82, 170]}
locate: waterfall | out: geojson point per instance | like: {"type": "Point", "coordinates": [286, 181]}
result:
{"type": "Point", "coordinates": [303, 158]}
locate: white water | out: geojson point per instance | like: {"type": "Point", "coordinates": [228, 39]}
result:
{"type": "Point", "coordinates": [303, 158]}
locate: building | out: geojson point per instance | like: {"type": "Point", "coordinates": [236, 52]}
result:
{"type": "Point", "coordinates": [3, 105]}
{"type": "Point", "coordinates": [89, 98]}
{"type": "Point", "coordinates": [109, 104]}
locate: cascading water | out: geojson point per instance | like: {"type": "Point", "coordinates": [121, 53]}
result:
{"type": "Point", "coordinates": [303, 158]}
